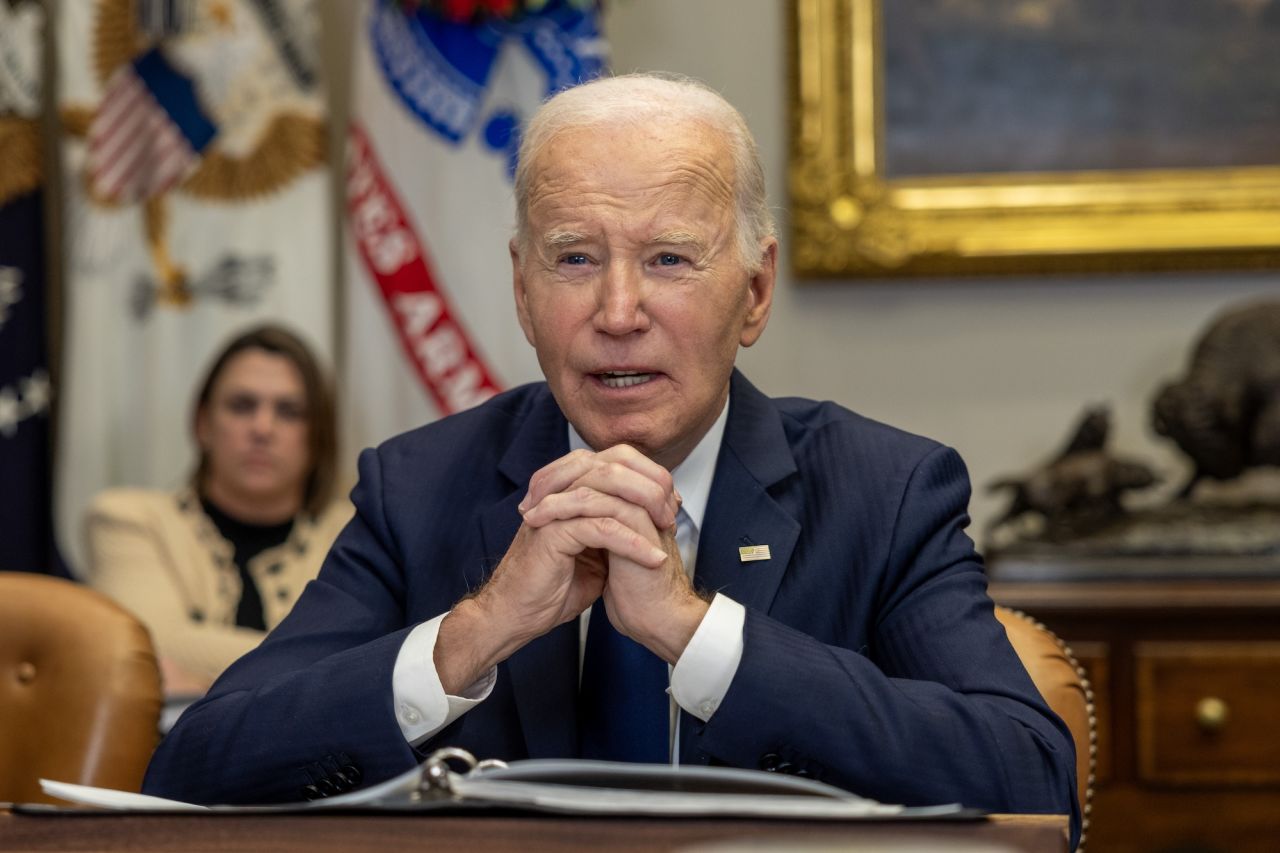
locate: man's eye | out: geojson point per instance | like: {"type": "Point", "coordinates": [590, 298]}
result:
{"type": "Point", "coordinates": [669, 259]}
{"type": "Point", "coordinates": [573, 260]}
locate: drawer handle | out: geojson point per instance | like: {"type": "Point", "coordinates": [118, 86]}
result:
{"type": "Point", "coordinates": [1212, 714]}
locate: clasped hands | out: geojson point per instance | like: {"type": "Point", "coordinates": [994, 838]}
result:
{"type": "Point", "coordinates": [596, 525]}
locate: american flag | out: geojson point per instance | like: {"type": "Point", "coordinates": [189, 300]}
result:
{"type": "Point", "coordinates": [148, 132]}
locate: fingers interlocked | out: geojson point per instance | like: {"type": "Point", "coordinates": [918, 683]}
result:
{"type": "Point", "coordinates": [619, 484]}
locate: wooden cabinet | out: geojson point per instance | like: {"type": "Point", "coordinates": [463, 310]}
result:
{"type": "Point", "coordinates": [1186, 680]}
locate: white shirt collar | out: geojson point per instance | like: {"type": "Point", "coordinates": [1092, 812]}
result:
{"type": "Point", "coordinates": [692, 476]}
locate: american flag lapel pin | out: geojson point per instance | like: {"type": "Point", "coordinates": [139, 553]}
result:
{"type": "Point", "coordinates": [752, 553]}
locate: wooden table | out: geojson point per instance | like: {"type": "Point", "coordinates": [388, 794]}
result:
{"type": "Point", "coordinates": [1186, 679]}
{"type": "Point", "coordinates": [395, 833]}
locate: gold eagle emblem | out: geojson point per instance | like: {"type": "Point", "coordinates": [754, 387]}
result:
{"type": "Point", "coordinates": [20, 154]}
{"type": "Point", "coordinates": [267, 135]}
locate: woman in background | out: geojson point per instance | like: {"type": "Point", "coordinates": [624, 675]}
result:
{"type": "Point", "coordinates": [211, 568]}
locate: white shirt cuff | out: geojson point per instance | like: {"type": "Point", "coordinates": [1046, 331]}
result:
{"type": "Point", "coordinates": [422, 706]}
{"type": "Point", "coordinates": [704, 672]}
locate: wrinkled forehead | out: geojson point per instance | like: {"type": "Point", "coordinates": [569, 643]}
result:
{"type": "Point", "coordinates": [688, 161]}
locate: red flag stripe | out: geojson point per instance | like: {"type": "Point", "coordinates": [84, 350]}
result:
{"type": "Point", "coordinates": [126, 146]}
{"type": "Point", "coordinates": [172, 166]}
{"type": "Point", "coordinates": [170, 153]}
{"type": "Point", "coordinates": [116, 180]}
{"type": "Point", "coordinates": [122, 92]}
{"type": "Point", "coordinates": [443, 355]}
{"type": "Point", "coordinates": [111, 127]}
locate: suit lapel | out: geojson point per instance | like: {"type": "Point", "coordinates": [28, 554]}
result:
{"type": "Point", "coordinates": [750, 504]}
{"type": "Point", "coordinates": [543, 674]}
{"type": "Point", "coordinates": [742, 509]}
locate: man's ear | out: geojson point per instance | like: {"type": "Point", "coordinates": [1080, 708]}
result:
{"type": "Point", "coordinates": [522, 296]}
{"type": "Point", "coordinates": [760, 295]}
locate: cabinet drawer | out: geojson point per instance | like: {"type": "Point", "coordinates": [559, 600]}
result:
{"type": "Point", "coordinates": [1207, 712]}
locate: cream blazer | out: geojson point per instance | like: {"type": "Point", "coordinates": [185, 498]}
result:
{"type": "Point", "coordinates": [160, 556]}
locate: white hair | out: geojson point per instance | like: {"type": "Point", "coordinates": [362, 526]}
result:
{"type": "Point", "coordinates": [642, 98]}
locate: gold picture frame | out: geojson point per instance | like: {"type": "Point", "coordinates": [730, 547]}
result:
{"type": "Point", "coordinates": [849, 219]}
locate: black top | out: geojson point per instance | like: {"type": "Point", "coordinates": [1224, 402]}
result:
{"type": "Point", "coordinates": [248, 540]}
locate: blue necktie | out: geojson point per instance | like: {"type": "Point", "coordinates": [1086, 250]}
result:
{"type": "Point", "coordinates": [623, 708]}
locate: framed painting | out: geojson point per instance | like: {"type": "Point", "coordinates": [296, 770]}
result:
{"type": "Point", "coordinates": [1020, 136]}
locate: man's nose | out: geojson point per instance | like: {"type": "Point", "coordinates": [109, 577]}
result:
{"type": "Point", "coordinates": [620, 301]}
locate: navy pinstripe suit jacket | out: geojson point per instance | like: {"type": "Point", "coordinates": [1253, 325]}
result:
{"type": "Point", "coordinates": [871, 660]}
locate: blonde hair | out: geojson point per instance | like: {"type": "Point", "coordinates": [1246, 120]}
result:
{"type": "Point", "coordinates": [639, 98]}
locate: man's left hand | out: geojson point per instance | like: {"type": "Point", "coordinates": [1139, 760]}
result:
{"type": "Point", "coordinates": [656, 607]}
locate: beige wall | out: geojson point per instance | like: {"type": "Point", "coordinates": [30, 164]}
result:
{"type": "Point", "coordinates": [996, 368]}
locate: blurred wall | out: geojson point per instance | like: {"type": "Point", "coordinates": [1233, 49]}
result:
{"type": "Point", "coordinates": [998, 368]}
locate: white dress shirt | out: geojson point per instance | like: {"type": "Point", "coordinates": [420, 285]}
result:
{"type": "Point", "coordinates": [699, 679]}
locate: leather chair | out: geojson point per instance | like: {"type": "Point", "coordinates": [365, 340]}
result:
{"type": "Point", "coordinates": [1063, 684]}
{"type": "Point", "coordinates": [79, 689]}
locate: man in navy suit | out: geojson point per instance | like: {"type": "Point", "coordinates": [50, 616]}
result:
{"type": "Point", "coordinates": [803, 571]}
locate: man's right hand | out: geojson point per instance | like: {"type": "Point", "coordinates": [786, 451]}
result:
{"type": "Point", "coordinates": [556, 564]}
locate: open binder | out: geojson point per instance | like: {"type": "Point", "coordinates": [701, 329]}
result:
{"type": "Point", "coordinates": [453, 780]}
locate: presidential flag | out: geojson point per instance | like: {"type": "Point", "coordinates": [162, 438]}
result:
{"type": "Point", "coordinates": [197, 202]}
{"type": "Point", "coordinates": [26, 531]}
{"type": "Point", "coordinates": [440, 92]}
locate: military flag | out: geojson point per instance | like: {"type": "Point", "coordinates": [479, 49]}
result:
{"type": "Point", "coordinates": [441, 90]}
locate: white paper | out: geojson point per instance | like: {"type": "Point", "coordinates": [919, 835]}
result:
{"type": "Point", "coordinates": [109, 798]}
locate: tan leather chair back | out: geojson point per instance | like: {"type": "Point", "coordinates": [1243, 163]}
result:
{"type": "Point", "coordinates": [79, 689]}
{"type": "Point", "coordinates": [1062, 683]}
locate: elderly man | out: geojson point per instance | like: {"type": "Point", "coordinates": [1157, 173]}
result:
{"type": "Point", "coordinates": [519, 577]}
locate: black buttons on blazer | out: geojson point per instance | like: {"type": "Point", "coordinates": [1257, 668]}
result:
{"type": "Point", "coordinates": [772, 762]}
{"type": "Point", "coordinates": [335, 775]}
{"type": "Point", "coordinates": [345, 780]}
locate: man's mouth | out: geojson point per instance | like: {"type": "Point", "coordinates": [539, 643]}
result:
{"type": "Point", "coordinates": [624, 378]}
